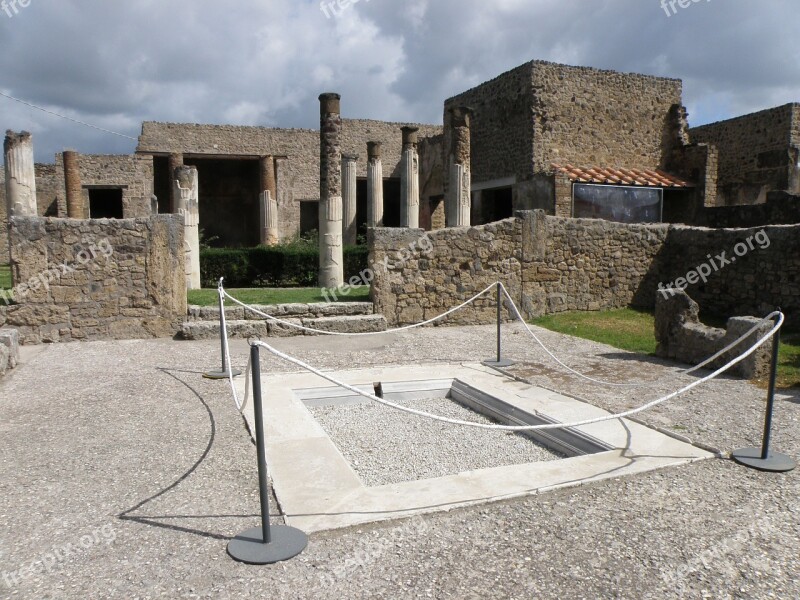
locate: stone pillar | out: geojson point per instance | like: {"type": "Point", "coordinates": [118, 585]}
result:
{"type": "Point", "coordinates": [175, 161]}
{"type": "Point", "coordinates": [409, 179]}
{"type": "Point", "coordinates": [331, 258]}
{"type": "Point", "coordinates": [374, 185]}
{"type": "Point", "coordinates": [457, 198]}
{"type": "Point", "coordinates": [349, 179]}
{"type": "Point", "coordinates": [269, 231]}
{"type": "Point", "coordinates": [186, 191]}
{"type": "Point", "coordinates": [76, 203]}
{"type": "Point", "coordinates": [20, 175]}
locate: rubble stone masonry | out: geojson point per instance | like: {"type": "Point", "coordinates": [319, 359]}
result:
{"type": "Point", "coordinates": [552, 264]}
{"type": "Point", "coordinates": [96, 279]}
{"type": "Point", "coordinates": [758, 153]}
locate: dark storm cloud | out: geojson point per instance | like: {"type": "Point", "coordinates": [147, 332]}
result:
{"type": "Point", "coordinates": [116, 64]}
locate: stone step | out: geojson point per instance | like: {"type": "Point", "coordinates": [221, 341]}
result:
{"type": "Point", "coordinates": [244, 329]}
{"type": "Point", "coordinates": [301, 311]}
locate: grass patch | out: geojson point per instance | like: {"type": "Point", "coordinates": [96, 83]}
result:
{"type": "Point", "coordinates": [209, 297]}
{"type": "Point", "coordinates": [5, 277]}
{"type": "Point", "coordinates": [634, 330]}
{"type": "Point", "coordinates": [623, 328]}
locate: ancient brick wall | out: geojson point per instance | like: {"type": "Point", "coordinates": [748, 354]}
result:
{"type": "Point", "coordinates": [754, 153]}
{"type": "Point", "coordinates": [49, 198]}
{"type": "Point", "coordinates": [419, 275]}
{"type": "Point", "coordinates": [134, 174]}
{"type": "Point", "coordinates": [553, 264]}
{"type": "Point", "coordinates": [752, 284]}
{"type": "Point", "coordinates": [779, 209]}
{"type": "Point", "coordinates": [298, 173]}
{"type": "Point", "coordinates": [501, 125]}
{"type": "Point", "coordinates": [542, 113]}
{"type": "Point", "coordinates": [591, 117]}
{"type": "Point", "coordinates": [96, 279]}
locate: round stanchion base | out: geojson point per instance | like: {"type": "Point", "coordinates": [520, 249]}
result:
{"type": "Point", "coordinates": [222, 374]}
{"type": "Point", "coordinates": [774, 463]}
{"type": "Point", "coordinates": [248, 547]}
{"type": "Point", "coordinates": [498, 364]}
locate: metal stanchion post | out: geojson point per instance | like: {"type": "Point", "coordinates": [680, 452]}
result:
{"type": "Point", "coordinates": [762, 458]}
{"type": "Point", "coordinates": [267, 544]}
{"type": "Point", "coordinates": [499, 362]}
{"type": "Point", "coordinates": [223, 340]}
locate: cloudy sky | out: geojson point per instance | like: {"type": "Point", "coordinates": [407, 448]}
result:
{"type": "Point", "coordinates": [264, 62]}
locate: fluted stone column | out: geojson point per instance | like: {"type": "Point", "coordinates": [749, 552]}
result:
{"type": "Point", "coordinates": [349, 204]}
{"type": "Point", "coordinates": [331, 258]}
{"type": "Point", "coordinates": [187, 193]}
{"type": "Point", "coordinates": [76, 203]}
{"type": "Point", "coordinates": [374, 185]}
{"type": "Point", "coordinates": [269, 230]}
{"type": "Point", "coordinates": [20, 174]}
{"type": "Point", "coordinates": [175, 161]}
{"type": "Point", "coordinates": [409, 179]}
{"type": "Point", "coordinates": [458, 198]}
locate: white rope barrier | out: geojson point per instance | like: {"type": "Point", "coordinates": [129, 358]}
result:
{"type": "Point", "coordinates": [689, 371]}
{"type": "Point", "coordinates": [518, 316]}
{"type": "Point", "coordinates": [337, 333]}
{"type": "Point", "coordinates": [621, 415]}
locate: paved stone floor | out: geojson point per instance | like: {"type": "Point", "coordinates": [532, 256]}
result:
{"type": "Point", "coordinates": [123, 474]}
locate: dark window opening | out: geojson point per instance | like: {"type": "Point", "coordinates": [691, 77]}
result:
{"type": "Point", "coordinates": [494, 205]}
{"type": "Point", "coordinates": [361, 210]}
{"type": "Point", "coordinates": [391, 203]}
{"type": "Point", "coordinates": [309, 217]}
{"type": "Point", "coordinates": [105, 204]}
{"type": "Point", "coordinates": [229, 200]}
{"type": "Point", "coordinates": [162, 183]}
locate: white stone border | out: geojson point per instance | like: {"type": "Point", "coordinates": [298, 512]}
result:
{"type": "Point", "coordinates": [318, 490]}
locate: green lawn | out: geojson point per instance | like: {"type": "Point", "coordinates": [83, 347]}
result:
{"type": "Point", "coordinates": [624, 328]}
{"type": "Point", "coordinates": [633, 330]}
{"type": "Point", "coordinates": [5, 277]}
{"type": "Point", "coordinates": [209, 297]}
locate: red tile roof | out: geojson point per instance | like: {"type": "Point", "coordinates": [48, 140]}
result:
{"type": "Point", "coordinates": [641, 177]}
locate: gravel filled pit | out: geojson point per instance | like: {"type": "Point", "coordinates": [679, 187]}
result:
{"type": "Point", "coordinates": [386, 446]}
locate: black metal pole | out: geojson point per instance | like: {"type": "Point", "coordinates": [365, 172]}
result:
{"type": "Point", "coordinates": [267, 544]}
{"type": "Point", "coordinates": [499, 316]}
{"type": "Point", "coordinates": [258, 408]}
{"type": "Point", "coordinates": [761, 458]}
{"type": "Point", "coordinates": [222, 333]}
{"type": "Point", "coordinates": [498, 361]}
{"type": "Point", "coordinates": [773, 376]}
{"type": "Point", "coordinates": [226, 371]}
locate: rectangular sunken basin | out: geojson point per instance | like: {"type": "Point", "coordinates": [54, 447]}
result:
{"type": "Point", "coordinates": [338, 459]}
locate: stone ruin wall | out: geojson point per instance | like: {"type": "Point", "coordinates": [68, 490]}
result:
{"type": "Point", "coordinates": [542, 113]}
{"type": "Point", "coordinates": [501, 125]}
{"type": "Point", "coordinates": [758, 153]}
{"type": "Point", "coordinates": [131, 172]}
{"type": "Point", "coordinates": [298, 176]}
{"type": "Point", "coordinates": [96, 279]}
{"type": "Point", "coordinates": [553, 264]}
{"type": "Point", "coordinates": [591, 117]}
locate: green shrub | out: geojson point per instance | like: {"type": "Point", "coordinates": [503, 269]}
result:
{"type": "Point", "coordinates": [294, 264]}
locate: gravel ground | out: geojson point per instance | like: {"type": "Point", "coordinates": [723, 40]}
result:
{"type": "Point", "coordinates": [132, 472]}
{"type": "Point", "coordinates": [385, 446]}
